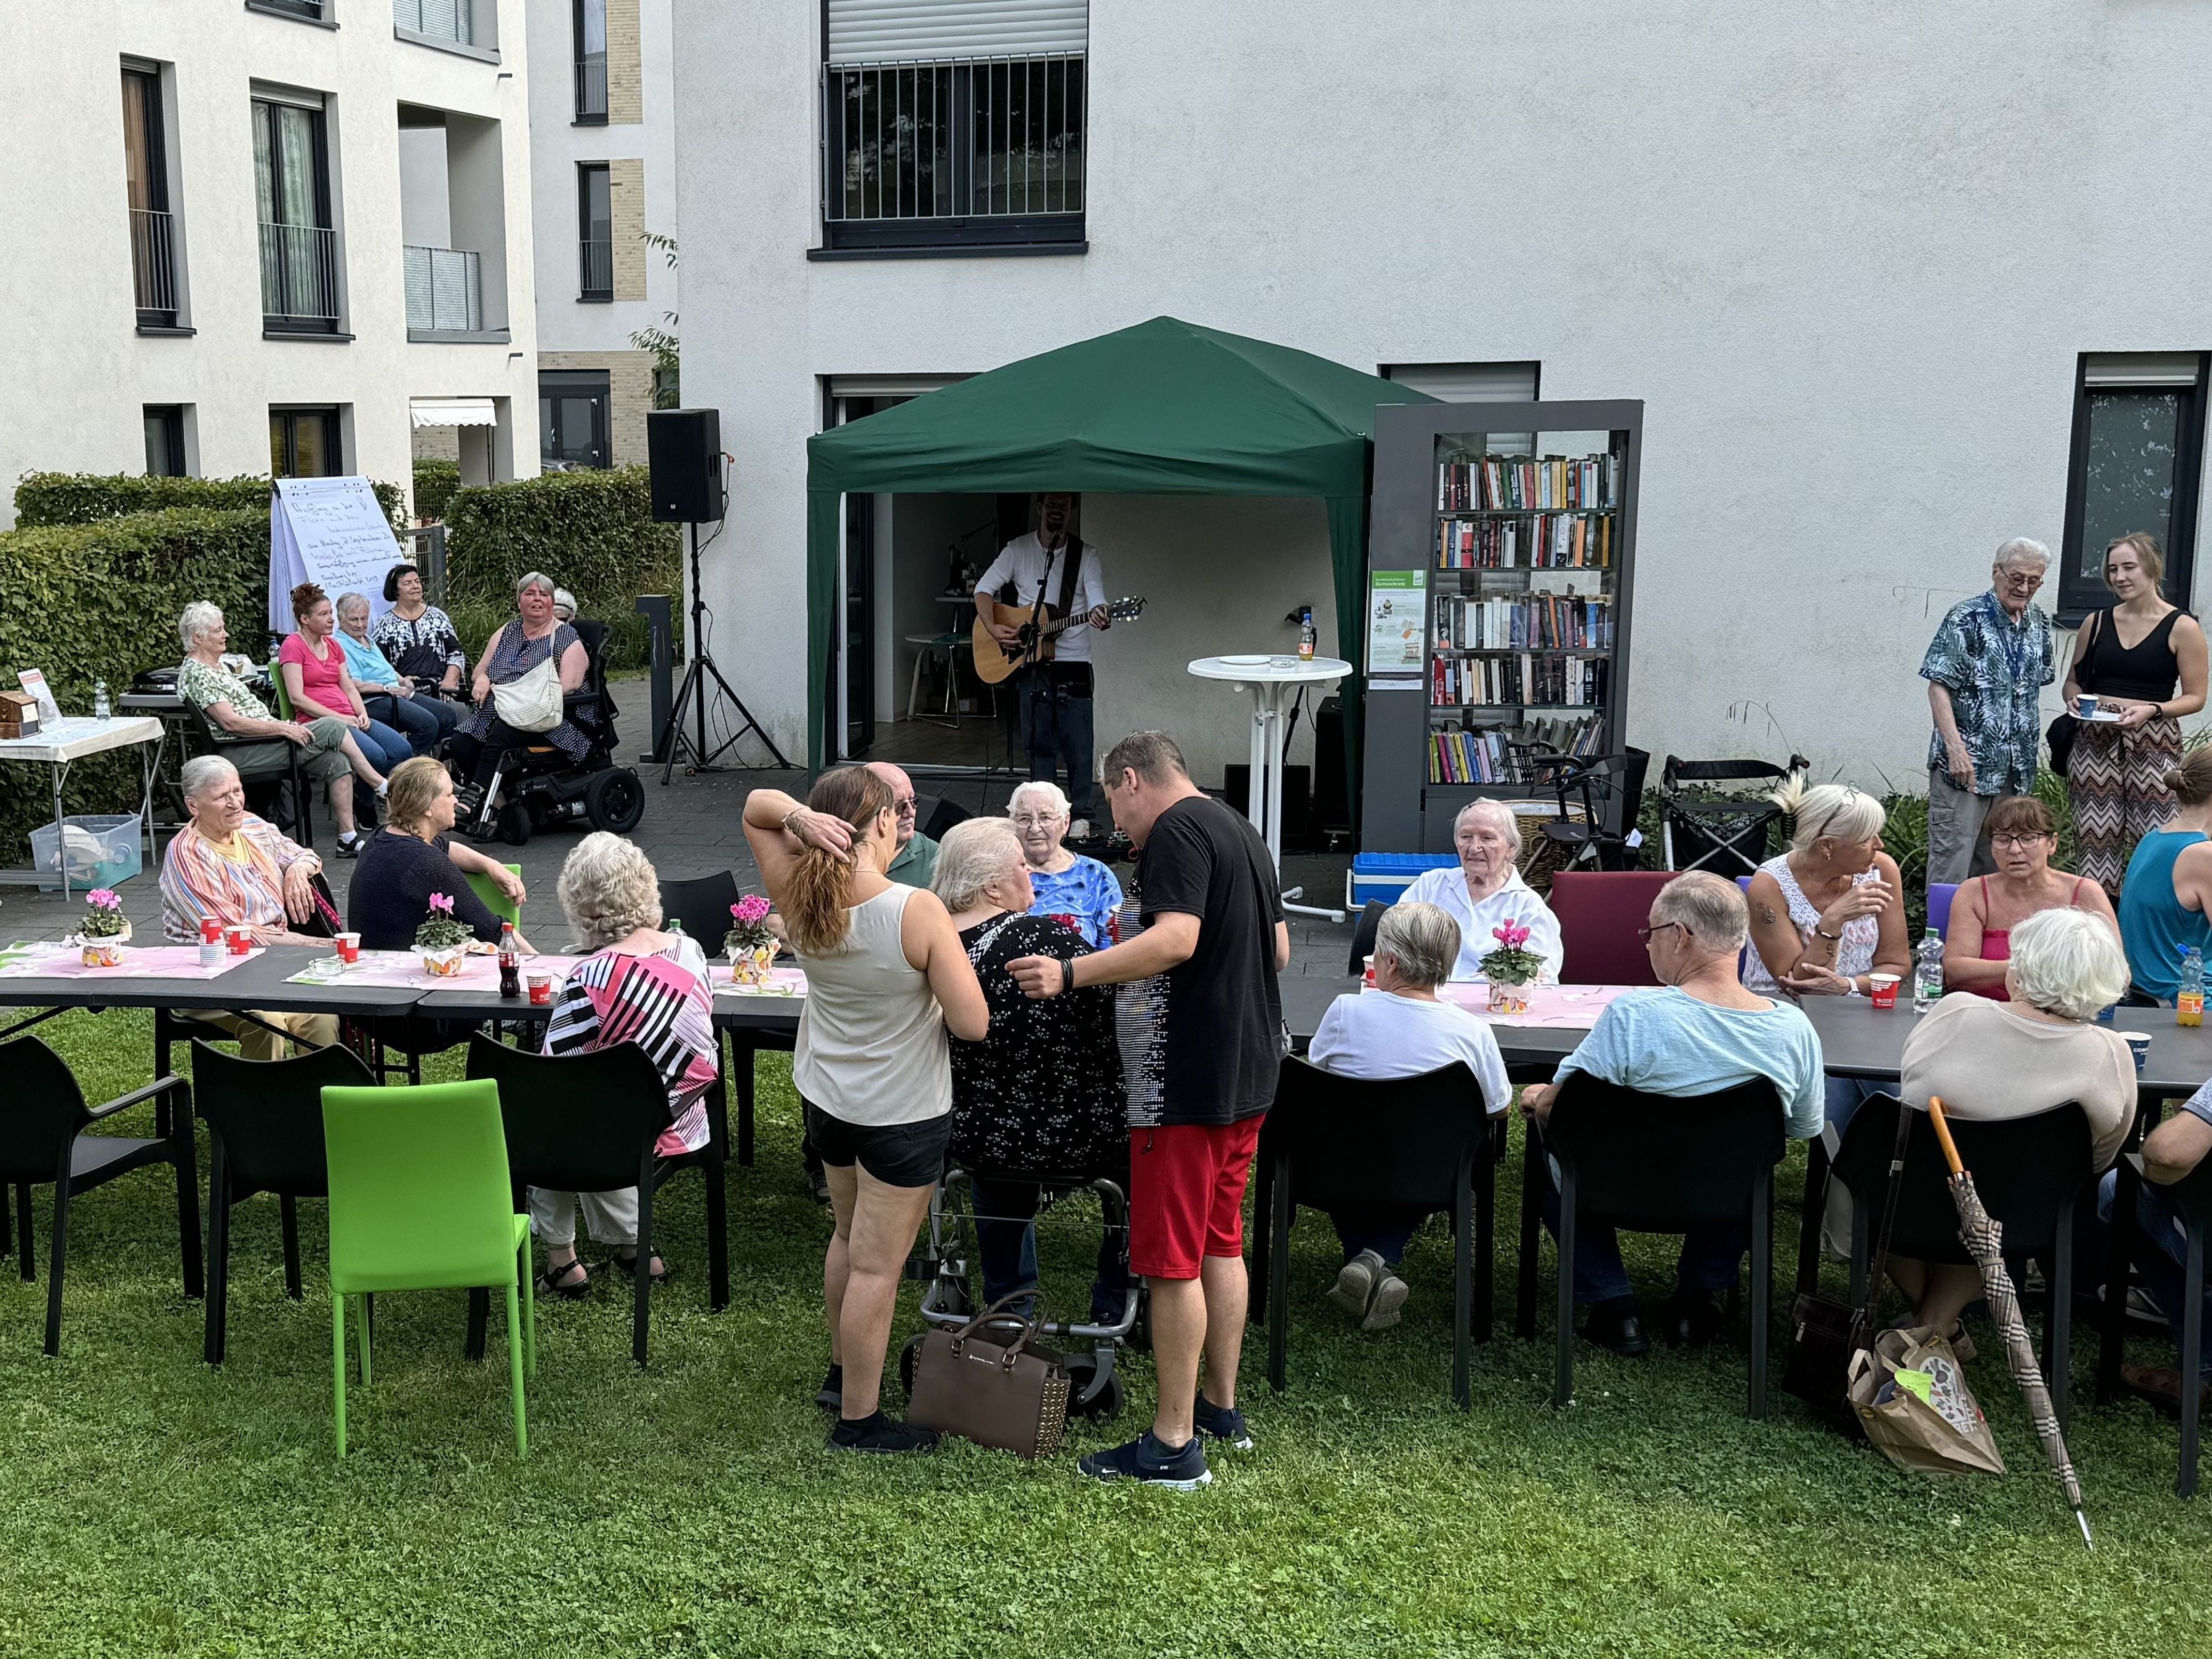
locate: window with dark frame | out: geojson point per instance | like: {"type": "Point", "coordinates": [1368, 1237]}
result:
{"type": "Point", "coordinates": [573, 409]}
{"type": "Point", "coordinates": [315, 11]}
{"type": "Point", "coordinates": [299, 245]}
{"type": "Point", "coordinates": [165, 440]}
{"type": "Point", "coordinates": [2138, 458]}
{"type": "Point", "coordinates": [303, 443]}
{"type": "Point", "coordinates": [146, 185]}
{"type": "Point", "coordinates": [590, 18]}
{"type": "Point", "coordinates": [596, 231]}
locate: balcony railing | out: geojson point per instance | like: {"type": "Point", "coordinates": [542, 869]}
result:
{"type": "Point", "coordinates": [152, 266]}
{"type": "Point", "coordinates": [442, 20]}
{"type": "Point", "coordinates": [591, 87]}
{"type": "Point", "coordinates": [445, 290]}
{"type": "Point", "coordinates": [300, 278]}
{"type": "Point", "coordinates": [985, 139]}
{"type": "Point", "coordinates": [598, 270]}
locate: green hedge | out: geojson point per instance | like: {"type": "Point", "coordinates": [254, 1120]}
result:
{"type": "Point", "coordinates": [435, 484]}
{"type": "Point", "coordinates": [592, 531]}
{"type": "Point", "coordinates": [86, 602]}
{"type": "Point", "coordinates": [54, 498]}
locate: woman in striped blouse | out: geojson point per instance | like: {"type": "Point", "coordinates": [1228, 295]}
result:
{"type": "Point", "coordinates": [642, 986]}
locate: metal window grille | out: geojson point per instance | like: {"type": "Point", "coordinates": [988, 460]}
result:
{"type": "Point", "coordinates": [592, 86]}
{"type": "Point", "coordinates": [153, 262]}
{"type": "Point", "coordinates": [599, 270]}
{"type": "Point", "coordinates": [300, 275]}
{"type": "Point", "coordinates": [976, 138]}
{"type": "Point", "coordinates": [445, 289]}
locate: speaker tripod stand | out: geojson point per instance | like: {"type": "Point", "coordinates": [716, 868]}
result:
{"type": "Point", "coordinates": [695, 693]}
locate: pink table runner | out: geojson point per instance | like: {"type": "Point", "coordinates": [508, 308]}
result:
{"type": "Point", "coordinates": [782, 982]}
{"type": "Point", "coordinates": [139, 962]}
{"type": "Point", "coordinates": [1556, 1007]}
{"type": "Point", "coordinates": [403, 970]}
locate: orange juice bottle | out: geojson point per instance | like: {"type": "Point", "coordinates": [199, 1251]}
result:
{"type": "Point", "coordinates": [2189, 1001]}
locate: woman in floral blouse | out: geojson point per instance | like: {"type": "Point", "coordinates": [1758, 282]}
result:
{"type": "Point", "coordinates": [418, 639]}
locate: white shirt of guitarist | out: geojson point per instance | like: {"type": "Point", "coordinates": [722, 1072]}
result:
{"type": "Point", "coordinates": [1025, 563]}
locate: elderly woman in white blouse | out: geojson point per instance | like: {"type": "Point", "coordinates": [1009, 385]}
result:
{"type": "Point", "coordinates": [1487, 891]}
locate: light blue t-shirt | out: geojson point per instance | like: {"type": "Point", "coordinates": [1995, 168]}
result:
{"type": "Point", "coordinates": [1665, 1041]}
{"type": "Point", "coordinates": [366, 663]}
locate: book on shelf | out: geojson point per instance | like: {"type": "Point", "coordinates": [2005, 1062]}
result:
{"type": "Point", "coordinates": [1495, 754]}
{"type": "Point", "coordinates": [1490, 483]}
{"type": "Point", "coordinates": [1518, 679]}
{"type": "Point", "coordinates": [1561, 622]}
{"type": "Point", "coordinates": [1565, 540]}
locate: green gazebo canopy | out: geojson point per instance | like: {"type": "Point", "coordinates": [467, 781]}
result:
{"type": "Point", "coordinates": [1165, 408]}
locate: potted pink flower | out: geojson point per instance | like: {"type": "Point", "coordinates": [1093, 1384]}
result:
{"type": "Point", "coordinates": [102, 935]}
{"type": "Point", "coordinates": [748, 944]}
{"type": "Point", "coordinates": [1511, 969]}
{"type": "Point", "coordinates": [442, 938]}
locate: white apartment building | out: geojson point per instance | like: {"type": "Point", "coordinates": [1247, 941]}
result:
{"type": "Point", "coordinates": [266, 235]}
{"type": "Point", "coordinates": [603, 182]}
{"type": "Point", "coordinates": [1892, 282]}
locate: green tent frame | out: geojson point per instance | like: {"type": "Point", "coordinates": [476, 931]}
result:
{"type": "Point", "coordinates": [1165, 408]}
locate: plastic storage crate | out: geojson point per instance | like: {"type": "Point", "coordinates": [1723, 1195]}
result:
{"type": "Point", "coordinates": [1386, 876]}
{"type": "Point", "coordinates": [110, 855]}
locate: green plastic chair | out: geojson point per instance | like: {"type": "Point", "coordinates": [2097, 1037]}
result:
{"type": "Point", "coordinates": [281, 699]}
{"type": "Point", "coordinates": [420, 1200]}
{"type": "Point", "coordinates": [495, 901]}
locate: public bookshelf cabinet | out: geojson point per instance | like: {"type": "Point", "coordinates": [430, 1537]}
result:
{"type": "Point", "coordinates": [1515, 523]}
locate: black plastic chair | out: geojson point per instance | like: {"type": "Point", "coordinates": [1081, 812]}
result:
{"type": "Point", "coordinates": [1364, 927]}
{"type": "Point", "coordinates": [702, 905]}
{"type": "Point", "coordinates": [43, 1143]}
{"type": "Point", "coordinates": [2028, 1170]}
{"type": "Point", "coordinates": [1728, 838]}
{"type": "Point", "coordinates": [264, 1122]}
{"type": "Point", "coordinates": [587, 1123]}
{"type": "Point", "coordinates": [2191, 1200]}
{"type": "Point", "coordinates": [1418, 1141]}
{"type": "Point", "coordinates": [1653, 1163]}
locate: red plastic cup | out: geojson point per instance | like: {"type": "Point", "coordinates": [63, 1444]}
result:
{"type": "Point", "coordinates": [541, 989]}
{"type": "Point", "coordinates": [211, 931]}
{"type": "Point", "coordinates": [239, 940]}
{"type": "Point", "coordinates": [1882, 991]}
{"type": "Point", "coordinates": [348, 948]}
{"type": "Point", "coordinates": [1367, 975]}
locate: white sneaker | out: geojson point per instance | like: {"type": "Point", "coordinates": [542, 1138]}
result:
{"type": "Point", "coordinates": [1389, 1299]}
{"type": "Point", "coordinates": [1356, 1280]}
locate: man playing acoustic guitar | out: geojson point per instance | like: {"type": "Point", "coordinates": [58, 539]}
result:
{"type": "Point", "coordinates": [1052, 565]}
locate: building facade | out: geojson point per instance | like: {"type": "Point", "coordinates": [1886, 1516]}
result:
{"type": "Point", "coordinates": [602, 182]}
{"type": "Point", "coordinates": [1892, 285]}
{"type": "Point", "coordinates": [280, 234]}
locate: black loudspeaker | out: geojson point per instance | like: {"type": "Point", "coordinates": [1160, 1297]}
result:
{"type": "Point", "coordinates": [684, 449]}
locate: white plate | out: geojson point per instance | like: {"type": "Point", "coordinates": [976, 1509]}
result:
{"type": "Point", "coordinates": [1248, 662]}
{"type": "Point", "coordinates": [2099, 719]}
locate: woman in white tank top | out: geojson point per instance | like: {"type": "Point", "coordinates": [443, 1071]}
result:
{"type": "Point", "coordinates": [886, 979]}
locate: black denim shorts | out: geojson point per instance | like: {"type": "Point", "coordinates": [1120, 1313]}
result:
{"type": "Point", "coordinates": [896, 1154]}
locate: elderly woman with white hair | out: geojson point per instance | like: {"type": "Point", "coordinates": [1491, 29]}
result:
{"type": "Point", "coordinates": [1041, 1093]}
{"type": "Point", "coordinates": [1988, 1062]}
{"type": "Point", "coordinates": [252, 734]}
{"type": "Point", "coordinates": [1400, 1030]}
{"type": "Point", "coordinates": [1067, 883]}
{"type": "Point", "coordinates": [520, 650]}
{"type": "Point", "coordinates": [423, 718]}
{"type": "Point", "coordinates": [639, 985]}
{"type": "Point", "coordinates": [1485, 891]}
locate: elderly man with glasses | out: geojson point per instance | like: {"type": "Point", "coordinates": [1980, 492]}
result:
{"type": "Point", "coordinates": [1985, 670]}
{"type": "Point", "coordinates": [914, 865]}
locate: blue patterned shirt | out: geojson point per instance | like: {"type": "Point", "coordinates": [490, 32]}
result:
{"type": "Point", "coordinates": [1995, 670]}
{"type": "Point", "coordinates": [1085, 892]}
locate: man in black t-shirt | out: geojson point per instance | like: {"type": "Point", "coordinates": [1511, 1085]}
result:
{"type": "Point", "coordinates": [1200, 1074]}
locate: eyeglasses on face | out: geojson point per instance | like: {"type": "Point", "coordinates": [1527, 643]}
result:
{"type": "Point", "coordinates": [1646, 933]}
{"type": "Point", "coordinates": [903, 808]}
{"type": "Point", "coordinates": [2020, 839]}
{"type": "Point", "coordinates": [1036, 820]}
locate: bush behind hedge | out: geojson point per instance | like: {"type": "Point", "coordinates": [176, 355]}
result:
{"type": "Point", "coordinates": [435, 481]}
{"type": "Point", "coordinates": [593, 531]}
{"type": "Point", "coordinates": [99, 600]}
{"type": "Point", "coordinates": [53, 498]}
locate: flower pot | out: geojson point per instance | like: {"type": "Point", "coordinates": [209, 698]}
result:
{"type": "Point", "coordinates": [1508, 997]}
{"type": "Point", "coordinates": [751, 967]}
{"type": "Point", "coordinates": [100, 950]}
{"type": "Point", "coordinates": [446, 964]}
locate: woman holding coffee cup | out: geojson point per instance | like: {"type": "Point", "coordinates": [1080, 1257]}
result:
{"type": "Point", "coordinates": [2143, 661]}
{"type": "Point", "coordinates": [1827, 914]}
{"type": "Point", "coordinates": [1977, 944]}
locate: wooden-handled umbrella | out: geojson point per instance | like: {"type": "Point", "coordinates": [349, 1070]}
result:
{"type": "Point", "coordinates": [1981, 1236]}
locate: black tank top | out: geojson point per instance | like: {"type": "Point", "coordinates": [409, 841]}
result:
{"type": "Point", "coordinates": [2148, 670]}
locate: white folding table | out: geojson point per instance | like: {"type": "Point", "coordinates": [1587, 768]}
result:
{"type": "Point", "coordinates": [60, 743]}
{"type": "Point", "coordinates": [1276, 683]}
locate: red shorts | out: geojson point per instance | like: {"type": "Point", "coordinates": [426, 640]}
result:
{"type": "Point", "coordinates": [1187, 1194]}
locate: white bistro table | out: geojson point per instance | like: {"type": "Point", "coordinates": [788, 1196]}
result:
{"type": "Point", "coordinates": [65, 741]}
{"type": "Point", "coordinates": [1276, 683]}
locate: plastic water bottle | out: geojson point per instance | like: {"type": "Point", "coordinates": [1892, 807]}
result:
{"type": "Point", "coordinates": [100, 710]}
{"type": "Point", "coordinates": [1306, 634]}
{"type": "Point", "coordinates": [1928, 972]}
{"type": "Point", "coordinates": [2189, 1000]}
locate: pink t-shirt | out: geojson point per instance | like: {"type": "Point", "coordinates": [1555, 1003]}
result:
{"type": "Point", "coordinates": [319, 680]}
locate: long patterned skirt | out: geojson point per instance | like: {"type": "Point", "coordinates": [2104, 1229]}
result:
{"type": "Point", "coordinates": [2116, 781]}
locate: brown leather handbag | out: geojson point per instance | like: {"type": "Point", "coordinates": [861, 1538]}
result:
{"type": "Point", "coordinates": [988, 1382]}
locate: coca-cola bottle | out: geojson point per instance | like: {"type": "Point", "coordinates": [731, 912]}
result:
{"type": "Point", "coordinates": [510, 962]}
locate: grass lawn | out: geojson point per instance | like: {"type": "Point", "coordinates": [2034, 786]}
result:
{"type": "Point", "coordinates": [152, 1505]}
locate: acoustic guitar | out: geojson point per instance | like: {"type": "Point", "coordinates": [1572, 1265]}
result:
{"type": "Point", "coordinates": [1037, 642]}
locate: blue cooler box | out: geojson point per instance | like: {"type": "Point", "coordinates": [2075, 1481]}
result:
{"type": "Point", "coordinates": [1385, 875]}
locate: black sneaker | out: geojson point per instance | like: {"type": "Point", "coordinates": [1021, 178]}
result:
{"type": "Point", "coordinates": [1223, 1422]}
{"type": "Point", "coordinates": [879, 1433]}
{"type": "Point", "coordinates": [349, 845]}
{"type": "Point", "coordinates": [831, 1396]}
{"type": "Point", "coordinates": [1614, 1324]}
{"type": "Point", "coordinates": [1181, 1468]}
{"type": "Point", "coordinates": [1694, 1318]}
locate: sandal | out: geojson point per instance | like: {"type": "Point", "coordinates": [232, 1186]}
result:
{"type": "Point", "coordinates": [628, 1265]}
{"type": "Point", "coordinates": [555, 1281]}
